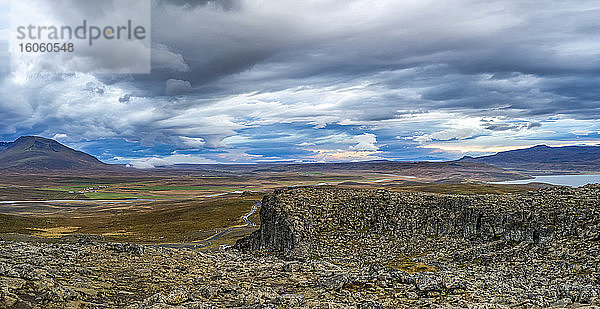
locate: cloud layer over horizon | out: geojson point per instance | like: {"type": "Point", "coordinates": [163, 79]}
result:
{"type": "Point", "coordinates": [330, 80]}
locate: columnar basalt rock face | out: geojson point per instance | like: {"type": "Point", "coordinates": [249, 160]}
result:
{"type": "Point", "coordinates": [535, 249]}
{"type": "Point", "coordinates": [297, 220]}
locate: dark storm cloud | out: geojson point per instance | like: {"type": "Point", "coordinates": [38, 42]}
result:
{"type": "Point", "coordinates": [449, 47]}
{"type": "Point", "coordinates": [510, 126]}
{"type": "Point", "coordinates": [227, 5]}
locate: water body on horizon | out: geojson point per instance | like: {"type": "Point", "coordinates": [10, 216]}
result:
{"type": "Point", "coordinates": [560, 180]}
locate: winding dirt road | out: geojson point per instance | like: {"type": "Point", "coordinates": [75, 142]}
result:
{"type": "Point", "coordinates": [206, 242]}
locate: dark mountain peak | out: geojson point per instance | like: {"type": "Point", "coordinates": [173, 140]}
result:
{"type": "Point", "coordinates": [39, 153]}
{"type": "Point", "coordinates": [36, 143]}
{"type": "Point", "coordinates": [31, 139]}
{"type": "Point", "coordinates": [545, 158]}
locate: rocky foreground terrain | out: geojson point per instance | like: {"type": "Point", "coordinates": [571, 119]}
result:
{"type": "Point", "coordinates": [536, 249]}
{"type": "Point", "coordinates": [326, 247]}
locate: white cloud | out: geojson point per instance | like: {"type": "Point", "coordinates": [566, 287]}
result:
{"type": "Point", "coordinates": [146, 163]}
{"type": "Point", "coordinates": [456, 129]}
{"type": "Point", "coordinates": [152, 162]}
{"type": "Point", "coordinates": [193, 142]}
{"type": "Point", "coordinates": [165, 59]}
{"type": "Point", "coordinates": [337, 155]}
{"type": "Point", "coordinates": [177, 87]}
{"type": "Point", "coordinates": [365, 142]}
{"type": "Point", "coordinates": [59, 136]}
{"type": "Point", "coordinates": [449, 134]}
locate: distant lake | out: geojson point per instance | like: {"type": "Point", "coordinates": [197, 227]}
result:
{"type": "Point", "coordinates": [561, 180]}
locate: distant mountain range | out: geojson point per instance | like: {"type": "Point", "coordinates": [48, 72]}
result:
{"type": "Point", "coordinates": [38, 153]}
{"type": "Point", "coordinates": [543, 159]}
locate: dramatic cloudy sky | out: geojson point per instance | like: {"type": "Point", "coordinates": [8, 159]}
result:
{"type": "Point", "coordinates": [327, 80]}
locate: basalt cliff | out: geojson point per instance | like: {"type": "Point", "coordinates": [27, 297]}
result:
{"type": "Point", "coordinates": [536, 249]}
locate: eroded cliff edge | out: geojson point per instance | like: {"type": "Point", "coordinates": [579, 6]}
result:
{"type": "Point", "coordinates": [296, 221]}
{"type": "Point", "coordinates": [503, 249]}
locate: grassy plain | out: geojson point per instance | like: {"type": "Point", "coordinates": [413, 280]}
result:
{"type": "Point", "coordinates": [179, 206]}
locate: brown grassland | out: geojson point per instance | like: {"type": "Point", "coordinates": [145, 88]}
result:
{"type": "Point", "coordinates": [169, 207]}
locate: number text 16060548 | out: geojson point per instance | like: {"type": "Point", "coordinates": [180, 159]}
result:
{"type": "Point", "coordinates": [46, 47]}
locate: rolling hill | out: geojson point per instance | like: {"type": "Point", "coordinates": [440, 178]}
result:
{"type": "Point", "coordinates": [543, 159]}
{"type": "Point", "coordinates": [38, 153]}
